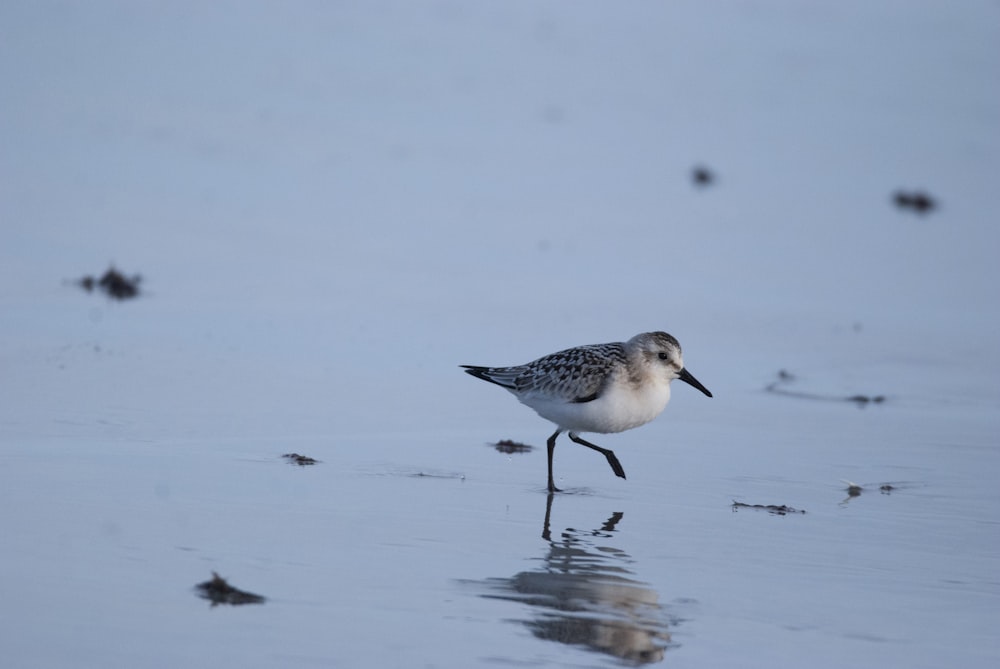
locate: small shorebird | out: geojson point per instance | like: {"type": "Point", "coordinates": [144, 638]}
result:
{"type": "Point", "coordinates": [599, 388]}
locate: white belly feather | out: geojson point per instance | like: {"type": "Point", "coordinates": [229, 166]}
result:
{"type": "Point", "coordinates": [621, 407]}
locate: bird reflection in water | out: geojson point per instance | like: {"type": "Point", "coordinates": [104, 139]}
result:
{"type": "Point", "coordinates": [584, 596]}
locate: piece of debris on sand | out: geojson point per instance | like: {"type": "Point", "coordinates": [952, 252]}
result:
{"type": "Point", "coordinates": [918, 201]}
{"type": "Point", "coordinates": [779, 387]}
{"type": "Point", "coordinates": [509, 446]}
{"type": "Point", "coordinates": [778, 510]}
{"type": "Point", "coordinates": [701, 176]}
{"type": "Point", "coordinates": [218, 591]}
{"type": "Point", "coordinates": [301, 460]}
{"type": "Point", "coordinates": [853, 489]}
{"type": "Point", "coordinates": [113, 283]}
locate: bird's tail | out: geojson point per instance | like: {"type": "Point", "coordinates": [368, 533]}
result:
{"type": "Point", "coordinates": [502, 376]}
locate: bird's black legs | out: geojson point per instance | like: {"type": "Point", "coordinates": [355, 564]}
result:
{"type": "Point", "coordinates": [616, 466]}
{"type": "Point", "coordinates": [607, 452]}
{"type": "Point", "coordinates": [552, 447]}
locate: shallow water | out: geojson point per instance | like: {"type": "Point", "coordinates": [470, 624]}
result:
{"type": "Point", "coordinates": [333, 208]}
{"type": "Point", "coordinates": [387, 549]}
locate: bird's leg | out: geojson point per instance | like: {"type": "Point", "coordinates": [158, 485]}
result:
{"type": "Point", "coordinates": [552, 447]}
{"type": "Point", "coordinates": [546, 532]}
{"type": "Point", "coordinates": [607, 452]}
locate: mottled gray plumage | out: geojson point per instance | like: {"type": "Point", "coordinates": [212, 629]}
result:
{"type": "Point", "coordinates": [576, 374]}
{"type": "Point", "coordinates": [597, 388]}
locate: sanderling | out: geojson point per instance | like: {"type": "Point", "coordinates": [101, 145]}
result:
{"type": "Point", "coordinates": [597, 388]}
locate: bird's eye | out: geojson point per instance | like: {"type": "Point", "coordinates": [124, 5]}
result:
{"type": "Point", "coordinates": [664, 356]}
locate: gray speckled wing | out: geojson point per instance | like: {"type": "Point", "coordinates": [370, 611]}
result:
{"type": "Point", "coordinates": [575, 375]}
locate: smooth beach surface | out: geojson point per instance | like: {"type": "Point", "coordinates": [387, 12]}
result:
{"type": "Point", "coordinates": [334, 205]}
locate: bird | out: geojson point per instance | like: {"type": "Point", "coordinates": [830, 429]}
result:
{"type": "Point", "coordinates": [600, 388]}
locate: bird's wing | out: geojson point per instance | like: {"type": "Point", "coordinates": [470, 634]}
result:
{"type": "Point", "coordinates": [574, 375]}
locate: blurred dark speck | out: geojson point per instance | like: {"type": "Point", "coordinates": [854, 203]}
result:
{"type": "Point", "coordinates": [918, 201]}
{"type": "Point", "coordinates": [701, 176]}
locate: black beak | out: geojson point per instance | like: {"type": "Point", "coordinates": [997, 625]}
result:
{"type": "Point", "coordinates": [688, 378]}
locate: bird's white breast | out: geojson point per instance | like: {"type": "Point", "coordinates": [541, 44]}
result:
{"type": "Point", "coordinates": [621, 407]}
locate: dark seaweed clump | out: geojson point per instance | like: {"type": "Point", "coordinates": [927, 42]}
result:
{"type": "Point", "coordinates": [113, 283]}
{"type": "Point", "coordinates": [218, 591]}
{"type": "Point", "coordinates": [301, 460]}
{"type": "Point", "coordinates": [509, 446]}
{"type": "Point", "coordinates": [918, 201]}
{"type": "Point", "coordinates": [778, 510]}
